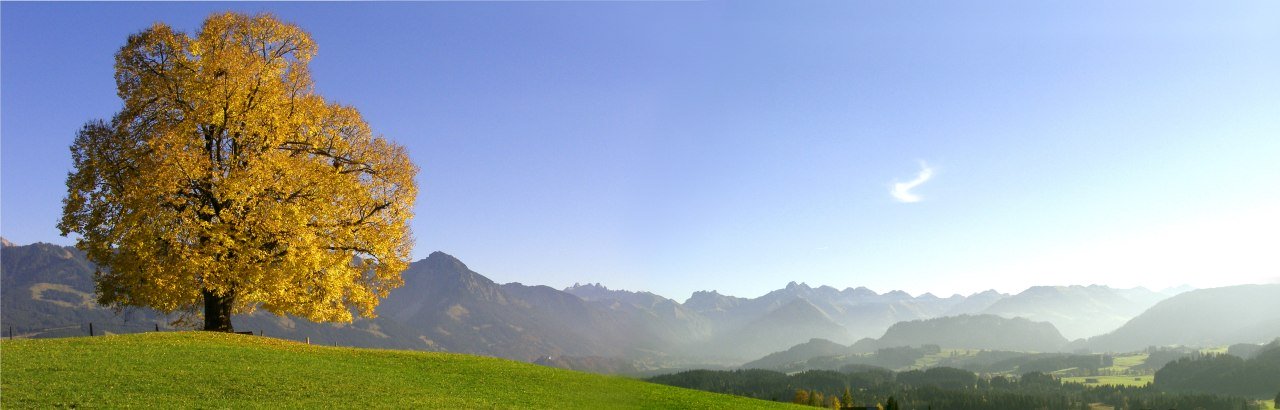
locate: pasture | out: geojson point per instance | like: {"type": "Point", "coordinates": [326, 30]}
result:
{"type": "Point", "coordinates": [205, 369]}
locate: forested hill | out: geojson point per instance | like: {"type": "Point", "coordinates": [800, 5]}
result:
{"type": "Point", "coordinates": [975, 332]}
{"type": "Point", "coordinates": [1257, 376]}
{"type": "Point", "coordinates": [905, 342]}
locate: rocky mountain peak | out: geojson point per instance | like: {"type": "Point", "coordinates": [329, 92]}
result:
{"type": "Point", "coordinates": [587, 287]}
{"type": "Point", "coordinates": [440, 259]}
{"type": "Point", "coordinates": [898, 294]}
{"type": "Point", "coordinates": [860, 291]}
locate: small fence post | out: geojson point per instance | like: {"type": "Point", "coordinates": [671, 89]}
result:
{"type": "Point", "coordinates": [157, 327]}
{"type": "Point", "coordinates": [308, 337]}
{"type": "Point", "coordinates": [90, 328]}
{"type": "Point", "coordinates": [10, 332]}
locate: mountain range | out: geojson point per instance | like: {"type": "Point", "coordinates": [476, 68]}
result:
{"type": "Point", "coordinates": [444, 305]}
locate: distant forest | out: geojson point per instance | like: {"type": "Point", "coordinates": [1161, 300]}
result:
{"type": "Point", "coordinates": [1200, 381]}
{"type": "Point", "coordinates": [943, 388]}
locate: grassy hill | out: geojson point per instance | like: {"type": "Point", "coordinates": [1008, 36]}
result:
{"type": "Point", "coordinates": [200, 369]}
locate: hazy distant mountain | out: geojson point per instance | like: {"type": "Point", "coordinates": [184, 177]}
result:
{"type": "Point", "coordinates": [720, 310]}
{"type": "Point", "coordinates": [596, 292]}
{"type": "Point", "coordinates": [976, 303]}
{"type": "Point", "coordinates": [1205, 317]}
{"type": "Point", "coordinates": [792, 323]}
{"type": "Point", "coordinates": [1077, 311]}
{"type": "Point", "coordinates": [975, 332]}
{"type": "Point", "coordinates": [861, 312]}
{"type": "Point", "coordinates": [668, 323]}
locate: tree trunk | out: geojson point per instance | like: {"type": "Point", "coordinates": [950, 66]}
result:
{"type": "Point", "coordinates": [217, 311]}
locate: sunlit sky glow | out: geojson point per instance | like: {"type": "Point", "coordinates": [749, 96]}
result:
{"type": "Point", "coordinates": [936, 147]}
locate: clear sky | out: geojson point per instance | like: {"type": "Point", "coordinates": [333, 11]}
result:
{"type": "Point", "coordinates": [940, 146]}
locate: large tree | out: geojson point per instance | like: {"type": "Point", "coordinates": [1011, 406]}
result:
{"type": "Point", "coordinates": [226, 184]}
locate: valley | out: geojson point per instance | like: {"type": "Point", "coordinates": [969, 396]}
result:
{"type": "Point", "coordinates": [791, 332]}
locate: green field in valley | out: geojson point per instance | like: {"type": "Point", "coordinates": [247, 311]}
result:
{"type": "Point", "coordinates": [1124, 362]}
{"type": "Point", "coordinates": [1121, 364]}
{"type": "Point", "coordinates": [936, 359]}
{"type": "Point", "coordinates": [203, 369]}
{"type": "Point", "coordinates": [1111, 380]}
{"type": "Point", "coordinates": [1214, 350]}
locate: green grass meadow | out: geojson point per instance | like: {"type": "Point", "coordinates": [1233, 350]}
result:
{"type": "Point", "coordinates": [218, 370]}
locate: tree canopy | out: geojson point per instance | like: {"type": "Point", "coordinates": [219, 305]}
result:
{"type": "Point", "coordinates": [225, 179]}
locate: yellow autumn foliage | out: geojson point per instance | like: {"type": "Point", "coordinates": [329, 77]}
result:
{"type": "Point", "coordinates": [226, 174]}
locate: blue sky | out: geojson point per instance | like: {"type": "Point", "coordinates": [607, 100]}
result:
{"type": "Point", "coordinates": [682, 146]}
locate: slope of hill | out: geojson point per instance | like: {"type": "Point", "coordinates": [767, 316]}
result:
{"type": "Point", "coordinates": [48, 286]}
{"type": "Point", "coordinates": [1205, 317]}
{"type": "Point", "coordinates": [201, 369]}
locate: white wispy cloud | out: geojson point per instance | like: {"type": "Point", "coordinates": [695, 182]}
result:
{"type": "Point", "coordinates": [902, 190]}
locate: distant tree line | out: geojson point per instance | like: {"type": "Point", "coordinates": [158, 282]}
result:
{"type": "Point", "coordinates": [983, 361]}
{"type": "Point", "coordinates": [939, 388]}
